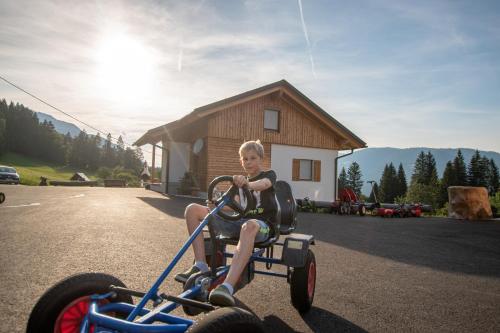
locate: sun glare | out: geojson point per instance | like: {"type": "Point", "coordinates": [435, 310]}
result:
{"type": "Point", "coordinates": [125, 67]}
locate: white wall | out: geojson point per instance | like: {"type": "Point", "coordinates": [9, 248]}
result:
{"type": "Point", "coordinates": [281, 163]}
{"type": "Point", "coordinates": [178, 163]}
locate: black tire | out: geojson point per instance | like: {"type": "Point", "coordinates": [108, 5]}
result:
{"type": "Point", "coordinates": [302, 296]}
{"type": "Point", "coordinates": [228, 320]}
{"type": "Point", "coordinates": [2, 197]}
{"type": "Point", "coordinates": [191, 310]}
{"type": "Point", "coordinates": [46, 311]}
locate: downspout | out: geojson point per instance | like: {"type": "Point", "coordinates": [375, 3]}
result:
{"type": "Point", "coordinates": [336, 179]}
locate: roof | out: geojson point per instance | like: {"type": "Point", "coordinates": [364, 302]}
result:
{"type": "Point", "coordinates": [80, 176]}
{"type": "Point", "coordinates": [154, 135]}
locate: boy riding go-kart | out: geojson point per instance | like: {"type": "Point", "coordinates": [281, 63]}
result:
{"type": "Point", "coordinates": [253, 221]}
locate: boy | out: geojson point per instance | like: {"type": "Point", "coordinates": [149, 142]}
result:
{"type": "Point", "coordinates": [253, 227]}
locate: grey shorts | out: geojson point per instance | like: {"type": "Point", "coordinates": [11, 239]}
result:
{"type": "Point", "coordinates": [232, 228]}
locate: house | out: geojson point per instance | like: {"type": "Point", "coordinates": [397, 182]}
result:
{"type": "Point", "coordinates": [80, 176]}
{"type": "Point", "coordinates": [301, 140]}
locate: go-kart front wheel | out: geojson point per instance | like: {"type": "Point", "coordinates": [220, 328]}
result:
{"type": "Point", "coordinates": [228, 320]}
{"type": "Point", "coordinates": [62, 308]}
{"type": "Point", "coordinates": [303, 284]}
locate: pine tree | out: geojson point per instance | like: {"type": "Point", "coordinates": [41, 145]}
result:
{"type": "Point", "coordinates": [460, 170]}
{"type": "Point", "coordinates": [431, 175]}
{"type": "Point", "coordinates": [447, 181]}
{"type": "Point", "coordinates": [342, 179]}
{"type": "Point", "coordinates": [108, 154]}
{"type": "Point", "coordinates": [388, 184]}
{"type": "Point", "coordinates": [402, 184]}
{"type": "Point", "coordinates": [474, 176]}
{"type": "Point", "coordinates": [418, 175]}
{"type": "Point", "coordinates": [494, 179]}
{"type": "Point", "coordinates": [354, 176]}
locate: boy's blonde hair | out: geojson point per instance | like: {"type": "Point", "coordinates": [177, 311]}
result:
{"type": "Point", "coordinates": [252, 145]}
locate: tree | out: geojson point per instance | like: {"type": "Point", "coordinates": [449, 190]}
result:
{"type": "Point", "coordinates": [354, 176]}
{"type": "Point", "coordinates": [402, 185]}
{"type": "Point", "coordinates": [460, 170]}
{"type": "Point", "coordinates": [424, 186]}
{"type": "Point", "coordinates": [431, 175]}
{"type": "Point", "coordinates": [494, 181]}
{"type": "Point", "coordinates": [108, 154]}
{"type": "Point", "coordinates": [342, 179]}
{"type": "Point", "coordinates": [447, 181]}
{"type": "Point", "coordinates": [478, 170]}
{"type": "Point", "coordinates": [389, 182]}
{"type": "Point", "coordinates": [418, 175]}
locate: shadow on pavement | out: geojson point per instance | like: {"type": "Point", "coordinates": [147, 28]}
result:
{"type": "Point", "coordinates": [172, 206]}
{"type": "Point", "coordinates": [317, 319]}
{"type": "Point", "coordinates": [438, 243]}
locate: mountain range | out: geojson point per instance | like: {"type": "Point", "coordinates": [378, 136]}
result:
{"type": "Point", "coordinates": [373, 160]}
{"type": "Point", "coordinates": [59, 125]}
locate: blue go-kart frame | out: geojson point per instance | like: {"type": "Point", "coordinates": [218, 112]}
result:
{"type": "Point", "coordinates": [108, 307]}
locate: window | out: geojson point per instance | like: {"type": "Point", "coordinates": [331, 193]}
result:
{"type": "Point", "coordinates": [306, 170]}
{"type": "Point", "coordinates": [271, 120]}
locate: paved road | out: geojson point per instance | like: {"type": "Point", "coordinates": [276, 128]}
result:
{"type": "Point", "coordinates": [375, 275]}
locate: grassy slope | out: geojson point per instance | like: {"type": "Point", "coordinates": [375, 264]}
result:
{"type": "Point", "coordinates": [30, 169]}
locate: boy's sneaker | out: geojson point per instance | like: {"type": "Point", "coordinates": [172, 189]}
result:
{"type": "Point", "coordinates": [184, 276]}
{"type": "Point", "coordinates": [221, 296]}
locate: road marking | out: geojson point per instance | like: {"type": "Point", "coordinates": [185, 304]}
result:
{"type": "Point", "coordinates": [77, 196]}
{"type": "Point", "coordinates": [27, 205]}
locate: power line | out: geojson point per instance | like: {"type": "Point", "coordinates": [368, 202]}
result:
{"type": "Point", "coordinates": [65, 113]}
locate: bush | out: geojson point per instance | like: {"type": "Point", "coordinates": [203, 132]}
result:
{"type": "Point", "coordinates": [495, 204]}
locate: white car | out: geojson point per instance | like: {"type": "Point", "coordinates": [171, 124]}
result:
{"type": "Point", "coordinates": [8, 175]}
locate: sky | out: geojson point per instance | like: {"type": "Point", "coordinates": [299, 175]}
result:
{"type": "Point", "coordinates": [396, 73]}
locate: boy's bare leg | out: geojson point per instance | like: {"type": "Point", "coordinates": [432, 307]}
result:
{"type": "Point", "coordinates": [243, 251]}
{"type": "Point", "coordinates": [194, 215]}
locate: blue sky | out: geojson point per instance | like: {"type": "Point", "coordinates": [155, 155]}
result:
{"type": "Point", "coordinates": [396, 73]}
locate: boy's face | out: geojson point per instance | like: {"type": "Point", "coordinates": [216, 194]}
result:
{"type": "Point", "coordinates": [251, 162]}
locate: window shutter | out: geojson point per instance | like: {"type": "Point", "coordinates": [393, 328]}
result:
{"type": "Point", "coordinates": [317, 171]}
{"type": "Point", "coordinates": [295, 169]}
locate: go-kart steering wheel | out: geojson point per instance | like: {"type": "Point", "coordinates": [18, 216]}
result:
{"type": "Point", "coordinates": [217, 195]}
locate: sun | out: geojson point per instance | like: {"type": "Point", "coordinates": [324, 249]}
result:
{"type": "Point", "coordinates": [125, 67]}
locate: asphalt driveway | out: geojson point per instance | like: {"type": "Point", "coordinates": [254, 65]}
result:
{"type": "Point", "coordinates": [374, 274]}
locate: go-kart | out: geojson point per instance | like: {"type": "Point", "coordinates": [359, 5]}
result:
{"type": "Point", "coordinates": [95, 302]}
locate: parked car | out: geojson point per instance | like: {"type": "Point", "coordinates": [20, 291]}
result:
{"type": "Point", "coordinates": [8, 175]}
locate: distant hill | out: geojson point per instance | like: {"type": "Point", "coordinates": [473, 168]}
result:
{"type": "Point", "coordinates": [373, 160]}
{"type": "Point", "coordinates": [59, 125]}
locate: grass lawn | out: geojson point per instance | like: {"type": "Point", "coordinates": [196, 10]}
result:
{"type": "Point", "coordinates": [30, 169]}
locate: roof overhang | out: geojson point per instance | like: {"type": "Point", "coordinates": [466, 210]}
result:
{"type": "Point", "coordinates": [286, 91]}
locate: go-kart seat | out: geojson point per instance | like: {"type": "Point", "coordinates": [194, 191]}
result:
{"type": "Point", "coordinates": [273, 235]}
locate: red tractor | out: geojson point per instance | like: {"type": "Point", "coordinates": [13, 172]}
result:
{"type": "Point", "coordinates": [348, 203]}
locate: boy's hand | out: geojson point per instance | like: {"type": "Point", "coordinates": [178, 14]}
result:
{"type": "Point", "coordinates": [240, 180]}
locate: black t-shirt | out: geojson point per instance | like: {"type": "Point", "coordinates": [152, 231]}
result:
{"type": "Point", "coordinates": [265, 203]}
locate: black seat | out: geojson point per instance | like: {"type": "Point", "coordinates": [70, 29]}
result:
{"type": "Point", "coordinates": [273, 235]}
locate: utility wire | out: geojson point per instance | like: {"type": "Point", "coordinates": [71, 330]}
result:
{"type": "Point", "coordinates": [67, 114]}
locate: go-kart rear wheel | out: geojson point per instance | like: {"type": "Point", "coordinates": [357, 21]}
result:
{"type": "Point", "coordinates": [2, 197]}
{"type": "Point", "coordinates": [228, 320]}
{"type": "Point", "coordinates": [303, 284]}
{"type": "Point", "coordinates": [63, 307]}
